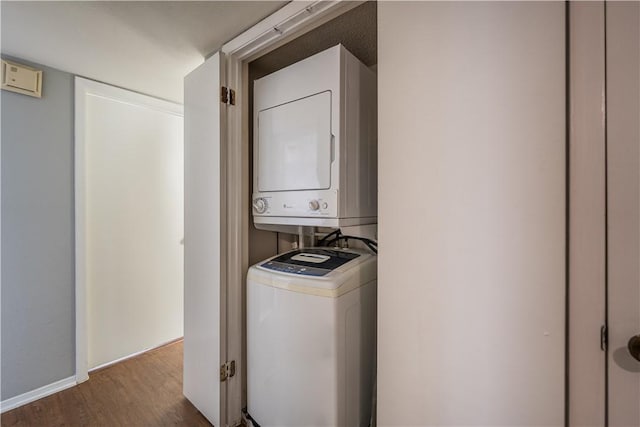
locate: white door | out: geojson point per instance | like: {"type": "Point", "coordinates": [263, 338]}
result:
{"type": "Point", "coordinates": [130, 220]}
{"type": "Point", "coordinates": [623, 141]}
{"type": "Point", "coordinates": [205, 241]}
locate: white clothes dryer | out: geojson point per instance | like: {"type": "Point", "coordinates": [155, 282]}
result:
{"type": "Point", "coordinates": [311, 333]}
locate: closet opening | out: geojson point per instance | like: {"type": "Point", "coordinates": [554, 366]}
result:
{"type": "Point", "coordinates": [356, 31]}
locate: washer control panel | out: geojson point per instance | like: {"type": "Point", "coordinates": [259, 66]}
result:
{"type": "Point", "coordinates": [309, 262]}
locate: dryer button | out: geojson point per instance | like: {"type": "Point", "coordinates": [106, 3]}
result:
{"type": "Point", "coordinates": [314, 205]}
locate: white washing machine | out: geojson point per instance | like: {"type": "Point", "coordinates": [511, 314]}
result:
{"type": "Point", "coordinates": [311, 333]}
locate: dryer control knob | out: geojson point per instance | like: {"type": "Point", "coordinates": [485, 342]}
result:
{"type": "Point", "coordinates": [314, 205]}
{"type": "Point", "coordinates": [260, 205]}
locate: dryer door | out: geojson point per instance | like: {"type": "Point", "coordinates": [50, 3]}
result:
{"type": "Point", "coordinates": [295, 145]}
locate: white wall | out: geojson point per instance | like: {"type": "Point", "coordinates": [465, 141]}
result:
{"type": "Point", "coordinates": [472, 213]}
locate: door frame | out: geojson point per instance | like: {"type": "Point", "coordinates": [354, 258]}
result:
{"type": "Point", "coordinates": [591, 322]}
{"type": "Point", "coordinates": [83, 88]}
{"type": "Point", "coordinates": [586, 294]}
{"type": "Point", "coordinates": [291, 21]}
{"type": "Point", "coordinates": [623, 203]}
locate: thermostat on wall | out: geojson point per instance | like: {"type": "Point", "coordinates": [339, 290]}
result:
{"type": "Point", "coordinates": [22, 79]}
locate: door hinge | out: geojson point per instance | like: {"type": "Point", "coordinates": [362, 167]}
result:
{"type": "Point", "coordinates": [227, 96]}
{"type": "Point", "coordinates": [603, 338]}
{"type": "Point", "coordinates": [227, 370]}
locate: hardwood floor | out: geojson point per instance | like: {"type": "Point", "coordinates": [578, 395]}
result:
{"type": "Point", "coordinates": [143, 391]}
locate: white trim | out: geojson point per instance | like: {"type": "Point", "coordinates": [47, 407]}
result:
{"type": "Point", "coordinates": [81, 87]}
{"type": "Point", "coordinates": [0, 212]}
{"type": "Point", "coordinates": [84, 88]}
{"type": "Point", "coordinates": [138, 353]}
{"type": "Point", "coordinates": [39, 393]}
{"type": "Point", "coordinates": [125, 96]}
{"type": "Point", "coordinates": [267, 24]}
{"type": "Point", "coordinates": [236, 246]}
{"type": "Point", "coordinates": [294, 19]}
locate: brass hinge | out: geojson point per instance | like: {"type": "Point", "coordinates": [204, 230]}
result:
{"type": "Point", "coordinates": [227, 370]}
{"type": "Point", "coordinates": [603, 338]}
{"type": "Point", "coordinates": [227, 96]}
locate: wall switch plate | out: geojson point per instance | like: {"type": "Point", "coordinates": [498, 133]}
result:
{"type": "Point", "coordinates": [21, 79]}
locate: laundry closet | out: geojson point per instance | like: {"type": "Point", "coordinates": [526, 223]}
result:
{"type": "Point", "coordinates": [299, 348]}
{"type": "Point", "coordinates": [311, 309]}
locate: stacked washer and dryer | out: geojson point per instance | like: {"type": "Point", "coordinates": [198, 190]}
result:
{"type": "Point", "coordinates": [311, 312]}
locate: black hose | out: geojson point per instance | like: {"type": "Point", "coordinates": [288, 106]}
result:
{"type": "Point", "coordinates": [371, 244]}
{"type": "Point", "coordinates": [333, 233]}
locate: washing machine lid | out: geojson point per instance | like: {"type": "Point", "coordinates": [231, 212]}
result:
{"type": "Point", "coordinates": [310, 262]}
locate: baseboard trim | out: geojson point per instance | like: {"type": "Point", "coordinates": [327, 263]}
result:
{"type": "Point", "coordinates": [39, 393]}
{"type": "Point", "coordinates": [136, 354]}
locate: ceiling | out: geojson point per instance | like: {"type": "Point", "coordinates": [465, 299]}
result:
{"type": "Point", "coordinates": [145, 46]}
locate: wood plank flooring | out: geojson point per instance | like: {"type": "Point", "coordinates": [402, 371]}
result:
{"type": "Point", "coordinates": [143, 391]}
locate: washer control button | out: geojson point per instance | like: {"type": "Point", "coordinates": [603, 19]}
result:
{"type": "Point", "coordinates": [325, 205]}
